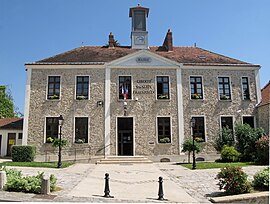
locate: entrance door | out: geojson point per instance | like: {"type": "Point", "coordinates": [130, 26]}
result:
{"type": "Point", "coordinates": [125, 136]}
{"type": "Point", "coordinates": [11, 141]}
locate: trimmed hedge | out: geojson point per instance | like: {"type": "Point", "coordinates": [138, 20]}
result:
{"type": "Point", "coordinates": [23, 153]}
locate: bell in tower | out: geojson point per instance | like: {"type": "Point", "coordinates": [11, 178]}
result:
{"type": "Point", "coordinates": [139, 35]}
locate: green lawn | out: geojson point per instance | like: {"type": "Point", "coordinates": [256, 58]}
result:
{"type": "Point", "coordinates": [37, 164]}
{"type": "Point", "coordinates": [212, 165]}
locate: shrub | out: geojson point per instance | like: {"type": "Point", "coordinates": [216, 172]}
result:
{"type": "Point", "coordinates": [29, 184]}
{"type": "Point", "coordinates": [56, 142]}
{"type": "Point", "coordinates": [233, 180]}
{"type": "Point", "coordinates": [246, 140]}
{"type": "Point", "coordinates": [23, 153]}
{"type": "Point", "coordinates": [262, 150]}
{"type": "Point", "coordinates": [229, 154]}
{"type": "Point", "coordinates": [188, 147]}
{"type": "Point", "coordinates": [261, 179]}
{"type": "Point", "coordinates": [225, 137]}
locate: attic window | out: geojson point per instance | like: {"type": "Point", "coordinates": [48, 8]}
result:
{"type": "Point", "coordinates": [201, 57]}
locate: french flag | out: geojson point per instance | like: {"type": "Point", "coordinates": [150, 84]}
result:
{"type": "Point", "coordinates": [125, 91]}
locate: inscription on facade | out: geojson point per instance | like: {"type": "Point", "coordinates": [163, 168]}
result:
{"type": "Point", "coordinates": [143, 59]}
{"type": "Point", "coordinates": [143, 87]}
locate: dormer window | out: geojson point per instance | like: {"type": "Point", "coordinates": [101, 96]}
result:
{"type": "Point", "coordinates": [139, 21]}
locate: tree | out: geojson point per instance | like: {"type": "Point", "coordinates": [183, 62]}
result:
{"type": "Point", "coordinates": [188, 147]}
{"type": "Point", "coordinates": [6, 104]}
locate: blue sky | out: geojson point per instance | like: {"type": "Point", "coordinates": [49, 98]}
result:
{"type": "Point", "coordinates": [31, 30]}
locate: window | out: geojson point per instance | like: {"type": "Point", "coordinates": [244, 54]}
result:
{"type": "Point", "coordinates": [224, 88]}
{"type": "Point", "coordinates": [245, 88]}
{"type": "Point", "coordinates": [139, 21]}
{"type": "Point", "coordinates": [196, 87]}
{"type": "Point", "coordinates": [81, 130]}
{"type": "Point", "coordinates": [164, 130]}
{"type": "Point", "coordinates": [51, 128]}
{"type": "Point", "coordinates": [82, 87]}
{"type": "Point", "coordinates": [163, 87]}
{"type": "Point", "coordinates": [249, 120]}
{"type": "Point", "coordinates": [53, 87]}
{"type": "Point", "coordinates": [125, 87]}
{"type": "Point", "coordinates": [20, 136]}
{"type": "Point", "coordinates": [199, 130]}
{"type": "Point", "coordinates": [227, 121]}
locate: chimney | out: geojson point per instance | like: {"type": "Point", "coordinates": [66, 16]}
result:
{"type": "Point", "coordinates": [168, 44]}
{"type": "Point", "coordinates": [111, 40]}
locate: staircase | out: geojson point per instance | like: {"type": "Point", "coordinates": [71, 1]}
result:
{"type": "Point", "coordinates": [124, 160]}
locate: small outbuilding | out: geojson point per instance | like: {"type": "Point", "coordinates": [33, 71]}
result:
{"type": "Point", "coordinates": [11, 133]}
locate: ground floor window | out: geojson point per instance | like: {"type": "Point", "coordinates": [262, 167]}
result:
{"type": "Point", "coordinates": [227, 121]}
{"type": "Point", "coordinates": [199, 129]}
{"type": "Point", "coordinates": [81, 130]}
{"type": "Point", "coordinates": [51, 128]}
{"type": "Point", "coordinates": [249, 120]}
{"type": "Point", "coordinates": [20, 136]}
{"type": "Point", "coordinates": [164, 129]}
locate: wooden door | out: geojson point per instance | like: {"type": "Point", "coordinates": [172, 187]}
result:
{"type": "Point", "coordinates": [11, 141]}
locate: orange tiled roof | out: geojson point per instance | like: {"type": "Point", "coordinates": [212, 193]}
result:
{"type": "Point", "coordinates": [11, 122]}
{"type": "Point", "coordinates": [102, 54]}
{"type": "Point", "coordinates": [265, 94]}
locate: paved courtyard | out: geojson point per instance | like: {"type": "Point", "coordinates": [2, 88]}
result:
{"type": "Point", "coordinates": [128, 183]}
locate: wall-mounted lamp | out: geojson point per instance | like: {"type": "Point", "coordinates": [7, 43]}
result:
{"type": "Point", "coordinates": [125, 108]}
{"type": "Point", "coordinates": [99, 103]}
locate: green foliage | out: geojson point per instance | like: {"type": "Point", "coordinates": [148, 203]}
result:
{"type": "Point", "coordinates": [165, 140]}
{"type": "Point", "coordinates": [56, 142]}
{"type": "Point", "coordinates": [233, 180]}
{"type": "Point", "coordinates": [261, 179]}
{"type": "Point", "coordinates": [225, 137]}
{"type": "Point", "coordinates": [28, 184]}
{"type": "Point", "coordinates": [37, 164]}
{"type": "Point", "coordinates": [188, 147]}
{"type": "Point", "coordinates": [262, 149]}
{"type": "Point", "coordinates": [229, 154]}
{"type": "Point", "coordinates": [6, 104]}
{"type": "Point", "coordinates": [213, 165]}
{"type": "Point", "coordinates": [23, 153]}
{"type": "Point", "coordinates": [246, 140]}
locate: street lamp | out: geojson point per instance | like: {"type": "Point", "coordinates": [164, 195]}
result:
{"type": "Point", "coordinates": [60, 123]}
{"type": "Point", "coordinates": [192, 124]}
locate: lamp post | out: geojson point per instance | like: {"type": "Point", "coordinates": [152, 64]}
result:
{"type": "Point", "coordinates": [192, 124]}
{"type": "Point", "coordinates": [60, 123]}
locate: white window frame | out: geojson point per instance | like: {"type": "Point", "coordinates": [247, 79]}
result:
{"type": "Point", "coordinates": [163, 75]}
{"type": "Point", "coordinates": [74, 127]}
{"type": "Point", "coordinates": [202, 88]}
{"type": "Point", "coordinates": [47, 87]}
{"type": "Point", "coordinates": [164, 116]}
{"type": "Point", "coordinates": [76, 86]}
{"type": "Point", "coordinates": [205, 127]}
{"type": "Point", "coordinates": [233, 120]}
{"type": "Point", "coordinates": [118, 84]}
{"type": "Point", "coordinates": [248, 88]}
{"type": "Point", "coordinates": [230, 83]}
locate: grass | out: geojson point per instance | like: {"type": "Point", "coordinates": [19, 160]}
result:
{"type": "Point", "coordinates": [37, 164]}
{"type": "Point", "coordinates": [212, 165]}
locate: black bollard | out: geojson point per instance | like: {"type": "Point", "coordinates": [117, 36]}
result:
{"type": "Point", "coordinates": [107, 188]}
{"type": "Point", "coordinates": [160, 189]}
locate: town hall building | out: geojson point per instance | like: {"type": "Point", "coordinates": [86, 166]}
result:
{"type": "Point", "coordinates": [136, 100]}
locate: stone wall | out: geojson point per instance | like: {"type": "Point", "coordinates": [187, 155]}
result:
{"type": "Point", "coordinates": [211, 107]}
{"type": "Point", "coordinates": [144, 111]}
{"type": "Point", "coordinates": [263, 119]}
{"type": "Point", "coordinates": [40, 108]}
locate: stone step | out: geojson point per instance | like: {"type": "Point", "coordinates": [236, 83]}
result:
{"type": "Point", "coordinates": [124, 159]}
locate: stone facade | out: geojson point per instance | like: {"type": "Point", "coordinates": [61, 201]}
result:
{"type": "Point", "coordinates": [263, 114]}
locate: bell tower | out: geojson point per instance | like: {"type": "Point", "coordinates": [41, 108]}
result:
{"type": "Point", "coordinates": [139, 34]}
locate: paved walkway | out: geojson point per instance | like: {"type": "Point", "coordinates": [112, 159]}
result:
{"type": "Point", "coordinates": [128, 183]}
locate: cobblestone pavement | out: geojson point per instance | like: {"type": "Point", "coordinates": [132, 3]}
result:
{"type": "Point", "coordinates": [199, 184]}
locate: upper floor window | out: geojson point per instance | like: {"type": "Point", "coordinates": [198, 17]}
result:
{"type": "Point", "coordinates": [199, 129]}
{"type": "Point", "coordinates": [245, 88]}
{"type": "Point", "coordinates": [81, 130]}
{"type": "Point", "coordinates": [51, 128]}
{"type": "Point", "coordinates": [224, 88]}
{"type": "Point", "coordinates": [163, 87]}
{"type": "Point", "coordinates": [53, 87]}
{"type": "Point", "coordinates": [82, 87]}
{"type": "Point", "coordinates": [125, 87]}
{"type": "Point", "coordinates": [196, 90]}
{"type": "Point", "coordinates": [164, 129]}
